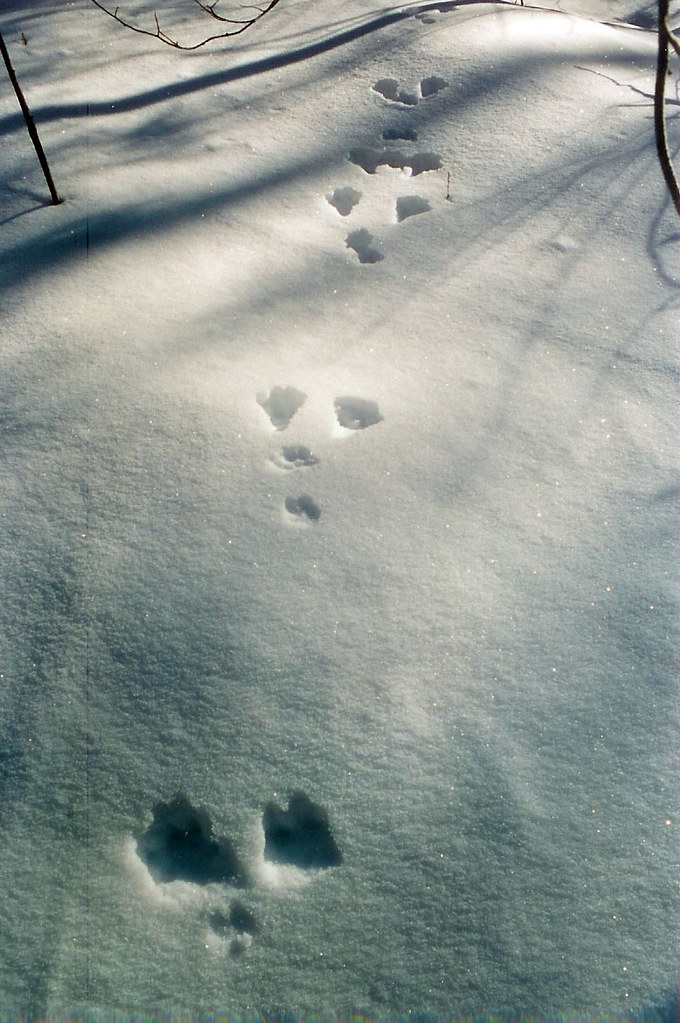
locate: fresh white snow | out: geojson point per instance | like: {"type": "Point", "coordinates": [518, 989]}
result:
{"type": "Point", "coordinates": [338, 411]}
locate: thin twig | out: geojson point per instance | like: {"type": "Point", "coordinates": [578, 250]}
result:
{"type": "Point", "coordinates": [671, 36]}
{"type": "Point", "coordinates": [159, 33]}
{"type": "Point", "coordinates": [210, 9]}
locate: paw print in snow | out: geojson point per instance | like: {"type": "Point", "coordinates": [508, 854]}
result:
{"type": "Point", "coordinates": [390, 89]}
{"type": "Point", "coordinates": [344, 200]}
{"type": "Point", "coordinates": [363, 243]}
{"type": "Point", "coordinates": [357, 413]}
{"type": "Point", "coordinates": [281, 404]}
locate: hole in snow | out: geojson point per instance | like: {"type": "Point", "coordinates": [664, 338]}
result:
{"type": "Point", "coordinates": [281, 404]}
{"type": "Point", "coordinates": [179, 846]}
{"type": "Point", "coordinates": [411, 206]}
{"type": "Point", "coordinates": [299, 836]}
{"type": "Point", "coordinates": [296, 456]}
{"type": "Point", "coordinates": [303, 507]}
{"type": "Point", "coordinates": [370, 159]}
{"type": "Point", "coordinates": [363, 243]}
{"type": "Point", "coordinates": [390, 89]}
{"type": "Point", "coordinates": [394, 133]}
{"type": "Point", "coordinates": [432, 85]}
{"type": "Point", "coordinates": [344, 200]}
{"type": "Point", "coordinates": [357, 413]}
{"type": "Point", "coordinates": [421, 162]}
{"type": "Point", "coordinates": [238, 919]}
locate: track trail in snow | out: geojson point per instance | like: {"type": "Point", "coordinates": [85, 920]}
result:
{"type": "Point", "coordinates": [281, 404]}
{"type": "Point", "coordinates": [394, 151]}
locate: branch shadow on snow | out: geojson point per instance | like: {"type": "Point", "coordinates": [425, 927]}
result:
{"type": "Point", "coordinates": [174, 90]}
{"type": "Point", "coordinates": [161, 94]}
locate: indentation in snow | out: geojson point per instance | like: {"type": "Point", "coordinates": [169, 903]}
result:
{"type": "Point", "coordinates": [237, 926]}
{"type": "Point", "coordinates": [179, 846]}
{"type": "Point", "coordinates": [563, 243]}
{"type": "Point", "coordinates": [432, 85]}
{"type": "Point", "coordinates": [411, 206]}
{"type": "Point", "coordinates": [303, 507]}
{"type": "Point", "coordinates": [299, 836]}
{"type": "Point", "coordinates": [370, 158]}
{"type": "Point", "coordinates": [281, 404]}
{"type": "Point", "coordinates": [390, 89]}
{"type": "Point", "coordinates": [344, 200]}
{"type": "Point", "coordinates": [363, 243]}
{"type": "Point", "coordinates": [357, 413]}
{"type": "Point", "coordinates": [396, 133]}
{"type": "Point", "coordinates": [295, 456]}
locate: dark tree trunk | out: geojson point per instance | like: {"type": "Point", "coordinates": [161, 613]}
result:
{"type": "Point", "coordinates": [660, 107]}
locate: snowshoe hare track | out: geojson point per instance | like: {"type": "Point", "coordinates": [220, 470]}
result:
{"type": "Point", "coordinates": [370, 158]}
{"type": "Point", "coordinates": [280, 405]}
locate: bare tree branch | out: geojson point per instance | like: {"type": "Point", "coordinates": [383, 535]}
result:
{"type": "Point", "coordinates": [239, 25]}
{"type": "Point", "coordinates": [30, 124]}
{"type": "Point", "coordinates": [210, 9]}
{"type": "Point", "coordinates": [666, 39]}
{"type": "Point", "coordinates": [671, 36]}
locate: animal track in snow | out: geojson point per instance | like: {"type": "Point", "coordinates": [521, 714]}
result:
{"type": "Point", "coordinates": [239, 923]}
{"type": "Point", "coordinates": [363, 243]}
{"type": "Point", "coordinates": [344, 200]}
{"type": "Point", "coordinates": [281, 404]}
{"type": "Point", "coordinates": [370, 158]}
{"type": "Point", "coordinates": [357, 413]}
{"type": "Point", "coordinates": [432, 85]}
{"type": "Point", "coordinates": [390, 89]}
{"type": "Point", "coordinates": [179, 846]}
{"type": "Point", "coordinates": [395, 133]}
{"type": "Point", "coordinates": [299, 836]}
{"type": "Point", "coordinates": [295, 456]}
{"type": "Point", "coordinates": [411, 206]}
{"type": "Point", "coordinates": [303, 508]}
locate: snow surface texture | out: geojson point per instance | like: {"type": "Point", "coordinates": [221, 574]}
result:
{"type": "Point", "coordinates": [339, 506]}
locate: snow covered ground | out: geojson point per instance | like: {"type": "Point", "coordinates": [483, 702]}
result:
{"type": "Point", "coordinates": [338, 412]}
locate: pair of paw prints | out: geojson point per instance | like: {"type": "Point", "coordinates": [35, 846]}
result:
{"type": "Point", "coordinates": [362, 241]}
{"type": "Point", "coordinates": [281, 404]}
{"type": "Point", "coordinates": [179, 845]}
{"type": "Point", "coordinates": [391, 89]}
{"type": "Point", "coordinates": [397, 157]}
